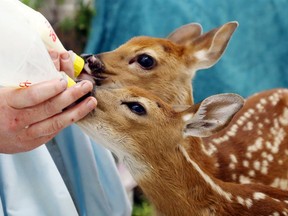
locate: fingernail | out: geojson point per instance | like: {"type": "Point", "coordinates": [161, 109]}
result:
{"type": "Point", "coordinates": [63, 83]}
{"type": "Point", "coordinates": [85, 86]}
{"type": "Point", "coordinates": [65, 56]}
{"type": "Point", "coordinates": [54, 55]}
{"type": "Point", "coordinates": [92, 103]}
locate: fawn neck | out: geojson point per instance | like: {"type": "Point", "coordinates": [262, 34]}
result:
{"type": "Point", "coordinates": [178, 185]}
{"type": "Point", "coordinates": [170, 181]}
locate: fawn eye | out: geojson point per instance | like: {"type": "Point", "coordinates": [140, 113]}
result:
{"type": "Point", "coordinates": [146, 61]}
{"type": "Point", "coordinates": [136, 108]}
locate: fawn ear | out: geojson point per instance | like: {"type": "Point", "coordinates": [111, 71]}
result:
{"type": "Point", "coordinates": [185, 34]}
{"type": "Point", "coordinates": [213, 114]}
{"type": "Point", "coordinates": [209, 47]}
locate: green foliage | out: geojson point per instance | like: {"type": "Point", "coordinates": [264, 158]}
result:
{"type": "Point", "coordinates": [142, 209]}
{"type": "Point", "coordinates": [76, 26]}
{"type": "Point", "coordinates": [82, 19]}
{"type": "Point", "coordinates": [35, 4]}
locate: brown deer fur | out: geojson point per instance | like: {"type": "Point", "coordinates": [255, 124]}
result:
{"type": "Point", "coordinates": [177, 58]}
{"type": "Point", "coordinates": [259, 136]}
{"type": "Point", "coordinates": [172, 168]}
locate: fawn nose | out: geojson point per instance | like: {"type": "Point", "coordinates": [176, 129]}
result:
{"type": "Point", "coordinates": [93, 64]}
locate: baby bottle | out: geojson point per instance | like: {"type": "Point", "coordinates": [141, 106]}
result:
{"type": "Point", "coordinates": [25, 37]}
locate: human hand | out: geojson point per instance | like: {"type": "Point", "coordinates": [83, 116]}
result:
{"type": "Point", "coordinates": [32, 116]}
{"type": "Point", "coordinates": [62, 62]}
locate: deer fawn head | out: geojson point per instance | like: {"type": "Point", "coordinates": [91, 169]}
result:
{"type": "Point", "coordinates": [127, 119]}
{"type": "Point", "coordinates": [159, 65]}
{"type": "Point", "coordinates": [161, 147]}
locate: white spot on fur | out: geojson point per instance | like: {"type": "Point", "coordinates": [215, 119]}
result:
{"type": "Point", "coordinates": [264, 154]}
{"type": "Point", "coordinates": [247, 114]}
{"type": "Point", "coordinates": [278, 134]}
{"type": "Point", "coordinates": [270, 157]}
{"type": "Point", "coordinates": [232, 166]}
{"type": "Point", "coordinates": [248, 203]}
{"type": "Point", "coordinates": [260, 107]}
{"type": "Point", "coordinates": [259, 196]}
{"type": "Point", "coordinates": [263, 101]}
{"type": "Point", "coordinates": [206, 177]}
{"type": "Point", "coordinates": [249, 155]}
{"type": "Point", "coordinates": [220, 140]}
{"type": "Point", "coordinates": [244, 179]}
{"type": "Point", "coordinates": [267, 121]}
{"type": "Point", "coordinates": [280, 183]}
{"type": "Point", "coordinates": [251, 173]}
{"type": "Point", "coordinates": [245, 202]}
{"type": "Point", "coordinates": [283, 119]}
{"type": "Point", "coordinates": [243, 118]}
{"type": "Point", "coordinates": [265, 163]}
{"type": "Point", "coordinates": [268, 145]}
{"type": "Point", "coordinates": [246, 163]}
{"type": "Point", "coordinates": [257, 145]}
{"type": "Point", "coordinates": [274, 99]}
{"type": "Point", "coordinates": [212, 149]}
{"type": "Point", "coordinates": [264, 170]}
{"type": "Point", "coordinates": [231, 133]}
{"type": "Point", "coordinates": [248, 126]}
{"type": "Point", "coordinates": [233, 158]}
{"type": "Point", "coordinates": [240, 200]}
{"type": "Point", "coordinates": [240, 122]}
{"type": "Point", "coordinates": [256, 165]}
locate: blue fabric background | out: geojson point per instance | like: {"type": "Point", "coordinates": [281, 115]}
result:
{"type": "Point", "coordinates": [256, 56]}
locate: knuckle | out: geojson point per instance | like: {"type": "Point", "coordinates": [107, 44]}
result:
{"type": "Point", "coordinates": [57, 125]}
{"type": "Point", "coordinates": [34, 97]}
{"type": "Point", "coordinates": [50, 108]}
{"type": "Point", "coordinates": [81, 113]}
{"type": "Point", "coordinates": [75, 95]}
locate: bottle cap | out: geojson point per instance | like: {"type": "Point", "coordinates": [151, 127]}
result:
{"type": "Point", "coordinates": [78, 65]}
{"type": "Point", "coordinates": [70, 82]}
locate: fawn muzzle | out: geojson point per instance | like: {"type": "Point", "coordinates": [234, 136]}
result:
{"type": "Point", "coordinates": [93, 69]}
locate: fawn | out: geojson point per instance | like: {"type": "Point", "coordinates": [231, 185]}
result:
{"type": "Point", "coordinates": [165, 67]}
{"type": "Point", "coordinates": [255, 142]}
{"type": "Point", "coordinates": [162, 148]}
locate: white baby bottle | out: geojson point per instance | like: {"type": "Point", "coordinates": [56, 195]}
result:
{"type": "Point", "coordinates": [25, 37]}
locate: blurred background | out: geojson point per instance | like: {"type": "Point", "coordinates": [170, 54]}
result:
{"type": "Point", "coordinates": [255, 60]}
{"type": "Point", "coordinates": [70, 19]}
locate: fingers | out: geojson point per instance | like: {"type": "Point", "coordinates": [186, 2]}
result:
{"type": "Point", "coordinates": [41, 132]}
{"type": "Point", "coordinates": [62, 62]}
{"type": "Point", "coordinates": [66, 64]}
{"type": "Point", "coordinates": [57, 104]}
{"type": "Point", "coordinates": [58, 122]}
{"type": "Point", "coordinates": [55, 58]}
{"type": "Point", "coordinates": [35, 94]}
